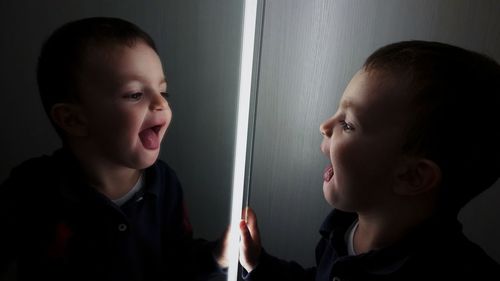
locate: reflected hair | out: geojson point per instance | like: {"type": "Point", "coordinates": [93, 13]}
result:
{"type": "Point", "coordinates": [63, 54]}
{"type": "Point", "coordinates": [454, 113]}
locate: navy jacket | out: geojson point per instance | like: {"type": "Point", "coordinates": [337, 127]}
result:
{"type": "Point", "coordinates": [55, 227]}
{"type": "Point", "coordinates": [437, 250]}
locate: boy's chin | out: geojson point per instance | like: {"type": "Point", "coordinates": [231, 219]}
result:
{"type": "Point", "coordinates": [331, 197]}
{"type": "Point", "coordinates": [327, 193]}
{"type": "Point", "coordinates": [147, 160]}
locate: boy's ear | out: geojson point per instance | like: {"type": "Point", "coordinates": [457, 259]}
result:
{"type": "Point", "coordinates": [418, 175]}
{"type": "Point", "coordinates": [70, 119]}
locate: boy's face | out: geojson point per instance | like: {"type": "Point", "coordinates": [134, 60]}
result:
{"type": "Point", "coordinates": [122, 101]}
{"type": "Point", "coordinates": [363, 141]}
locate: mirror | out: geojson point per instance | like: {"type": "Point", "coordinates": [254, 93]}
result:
{"type": "Point", "coordinates": [310, 50]}
{"type": "Point", "coordinates": [199, 43]}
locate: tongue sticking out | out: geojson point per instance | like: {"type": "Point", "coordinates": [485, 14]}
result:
{"type": "Point", "coordinates": [328, 173]}
{"type": "Point", "coordinates": [150, 138]}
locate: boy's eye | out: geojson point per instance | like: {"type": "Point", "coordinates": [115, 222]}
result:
{"type": "Point", "coordinates": [346, 126]}
{"type": "Point", "coordinates": [166, 95]}
{"type": "Point", "coordinates": [134, 96]}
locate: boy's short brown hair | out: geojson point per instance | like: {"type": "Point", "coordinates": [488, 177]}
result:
{"type": "Point", "coordinates": [64, 52]}
{"type": "Point", "coordinates": [456, 101]}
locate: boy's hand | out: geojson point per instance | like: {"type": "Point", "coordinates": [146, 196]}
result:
{"type": "Point", "coordinates": [221, 251]}
{"type": "Point", "coordinates": [250, 246]}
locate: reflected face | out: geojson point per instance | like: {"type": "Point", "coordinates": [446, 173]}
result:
{"type": "Point", "coordinates": [363, 142]}
{"type": "Point", "coordinates": [122, 98]}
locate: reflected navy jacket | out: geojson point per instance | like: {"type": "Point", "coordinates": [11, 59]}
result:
{"type": "Point", "coordinates": [56, 227]}
{"type": "Point", "coordinates": [438, 250]}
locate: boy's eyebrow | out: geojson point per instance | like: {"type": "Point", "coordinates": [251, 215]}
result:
{"type": "Point", "coordinates": [139, 78]}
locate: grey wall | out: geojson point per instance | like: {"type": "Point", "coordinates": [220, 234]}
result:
{"type": "Point", "coordinates": [310, 50]}
{"type": "Point", "coordinates": [199, 43]}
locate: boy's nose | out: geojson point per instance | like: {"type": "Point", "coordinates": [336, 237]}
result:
{"type": "Point", "coordinates": [158, 102]}
{"type": "Point", "coordinates": [326, 129]}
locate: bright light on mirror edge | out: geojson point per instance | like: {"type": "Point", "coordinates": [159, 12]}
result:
{"type": "Point", "coordinates": [247, 52]}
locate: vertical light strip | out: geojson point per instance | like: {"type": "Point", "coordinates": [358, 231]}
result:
{"type": "Point", "coordinates": [247, 51]}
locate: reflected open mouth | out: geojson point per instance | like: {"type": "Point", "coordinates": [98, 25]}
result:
{"type": "Point", "coordinates": [150, 137]}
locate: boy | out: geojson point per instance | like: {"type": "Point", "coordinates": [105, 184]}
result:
{"type": "Point", "coordinates": [414, 139]}
{"type": "Point", "coordinates": [103, 207]}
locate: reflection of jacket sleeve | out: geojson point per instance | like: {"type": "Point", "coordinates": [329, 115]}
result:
{"type": "Point", "coordinates": [272, 268]}
{"type": "Point", "coordinates": [186, 258]}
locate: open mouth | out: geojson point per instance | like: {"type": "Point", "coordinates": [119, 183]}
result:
{"type": "Point", "coordinates": [150, 137]}
{"type": "Point", "coordinates": [156, 129]}
{"type": "Point", "coordinates": [328, 173]}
